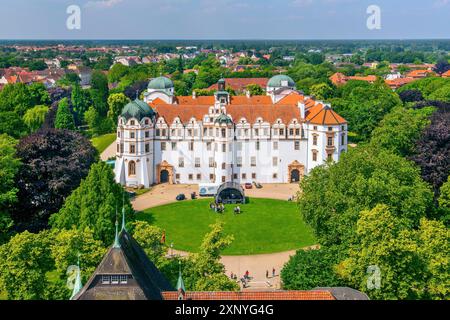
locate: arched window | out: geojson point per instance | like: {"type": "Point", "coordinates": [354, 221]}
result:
{"type": "Point", "coordinates": [132, 168]}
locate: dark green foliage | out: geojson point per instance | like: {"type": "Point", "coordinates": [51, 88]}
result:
{"type": "Point", "coordinates": [93, 205]}
{"type": "Point", "coordinates": [54, 162]}
{"type": "Point", "coordinates": [364, 105]}
{"type": "Point", "coordinates": [399, 129]}
{"type": "Point", "coordinates": [332, 197]}
{"type": "Point", "coordinates": [64, 118]}
{"type": "Point", "coordinates": [309, 269]}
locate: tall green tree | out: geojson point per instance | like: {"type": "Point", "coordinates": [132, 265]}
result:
{"type": "Point", "coordinates": [53, 164]}
{"type": "Point", "coordinates": [150, 239]}
{"type": "Point", "coordinates": [12, 124]}
{"type": "Point", "coordinates": [9, 166]}
{"type": "Point", "coordinates": [99, 92]}
{"type": "Point", "coordinates": [24, 262]}
{"type": "Point", "coordinates": [203, 270]}
{"type": "Point", "coordinates": [385, 246]}
{"type": "Point", "coordinates": [64, 117]}
{"type": "Point", "coordinates": [93, 204]}
{"type": "Point", "coordinates": [309, 269]}
{"type": "Point", "coordinates": [70, 246]}
{"type": "Point", "coordinates": [116, 102]}
{"type": "Point", "coordinates": [364, 105]}
{"type": "Point", "coordinates": [81, 101]}
{"type": "Point", "coordinates": [399, 129]}
{"type": "Point", "coordinates": [333, 195]}
{"type": "Point", "coordinates": [35, 117]}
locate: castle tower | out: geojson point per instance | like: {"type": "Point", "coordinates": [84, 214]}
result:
{"type": "Point", "coordinates": [134, 155]}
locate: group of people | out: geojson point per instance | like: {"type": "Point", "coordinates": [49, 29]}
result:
{"type": "Point", "coordinates": [246, 277]}
{"type": "Point", "coordinates": [217, 207]}
{"type": "Point", "coordinates": [220, 208]}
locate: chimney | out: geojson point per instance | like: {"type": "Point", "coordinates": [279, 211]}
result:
{"type": "Point", "coordinates": [301, 105]}
{"type": "Point", "coordinates": [247, 93]}
{"type": "Point", "coordinates": [194, 94]}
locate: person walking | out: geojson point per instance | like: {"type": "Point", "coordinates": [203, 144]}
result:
{"type": "Point", "coordinates": [267, 274]}
{"type": "Point", "coordinates": [273, 272]}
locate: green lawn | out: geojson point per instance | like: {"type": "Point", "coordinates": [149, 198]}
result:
{"type": "Point", "coordinates": [102, 142]}
{"type": "Point", "coordinates": [264, 226]}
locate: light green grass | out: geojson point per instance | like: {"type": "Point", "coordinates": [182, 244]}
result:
{"type": "Point", "coordinates": [102, 142]}
{"type": "Point", "coordinates": [264, 226]}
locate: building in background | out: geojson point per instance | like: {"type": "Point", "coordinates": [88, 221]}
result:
{"type": "Point", "coordinates": [274, 138]}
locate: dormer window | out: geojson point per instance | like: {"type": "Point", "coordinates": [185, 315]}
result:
{"type": "Point", "coordinates": [115, 279]}
{"type": "Point", "coordinates": [106, 279]}
{"type": "Point", "coordinates": [132, 122]}
{"type": "Point", "coordinates": [146, 121]}
{"type": "Point", "coordinates": [123, 279]}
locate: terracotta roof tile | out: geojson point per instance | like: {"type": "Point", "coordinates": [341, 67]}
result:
{"type": "Point", "coordinates": [252, 295]}
{"type": "Point", "coordinates": [240, 84]}
{"type": "Point", "coordinates": [250, 108]}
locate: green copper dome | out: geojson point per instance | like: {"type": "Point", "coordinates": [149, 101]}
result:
{"type": "Point", "coordinates": [223, 118]}
{"type": "Point", "coordinates": [137, 109]}
{"type": "Point", "coordinates": [279, 81]}
{"type": "Point", "coordinates": [160, 83]}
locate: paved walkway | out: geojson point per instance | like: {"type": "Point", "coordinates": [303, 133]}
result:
{"type": "Point", "coordinates": [257, 265]}
{"type": "Point", "coordinates": [109, 152]}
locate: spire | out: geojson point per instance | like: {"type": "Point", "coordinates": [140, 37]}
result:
{"type": "Point", "coordinates": [123, 215]}
{"type": "Point", "coordinates": [116, 239]}
{"type": "Point", "coordinates": [77, 285]}
{"type": "Point", "coordinates": [123, 220]}
{"type": "Point", "coordinates": [180, 282]}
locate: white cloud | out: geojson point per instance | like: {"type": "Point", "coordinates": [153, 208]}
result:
{"type": "Point", "coordinates": [102, 3]}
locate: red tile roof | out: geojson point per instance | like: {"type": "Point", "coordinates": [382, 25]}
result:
{"type": "Point", "coordinates": [397, 83]}
{"type": "Point", "coordinates": [251, 295]}
{"type": "Point", "coordinates": [239, 84]}
{"type": "Point", "coordinates": [419, 73]}
{"type": "Point", "coordinates": [250, 108]}
{"type": "Point", "coordinates": [339, 78]}
{"type": "Point", "coordinates": [446, 74]}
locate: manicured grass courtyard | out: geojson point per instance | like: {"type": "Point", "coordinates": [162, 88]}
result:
{"type": "Point", "coordinates": [264, 225]}
{"type": "Point", "coordinates": [102, 142]}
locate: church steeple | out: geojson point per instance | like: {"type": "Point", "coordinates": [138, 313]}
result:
{"type": "Point", "coordinates": [180, 284]}
{"type": "Point", "coordinates": [116, 239]}
{"type": "Point", "coordinates": [77, 285]}
{"type": "Point", "coordinates": [123, 214]}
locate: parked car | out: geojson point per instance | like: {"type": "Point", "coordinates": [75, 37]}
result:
{"type": "Point", "coordinates": [248, 185]}
{"type": "Point", "coordinates": [257, 185]}
{"type": "Point", "coordinates": [131, 194]}
{"type": "Point", "coordinates": [181, 197]}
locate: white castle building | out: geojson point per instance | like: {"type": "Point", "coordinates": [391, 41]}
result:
{"type": "Point", "coordinates": [274, 138]}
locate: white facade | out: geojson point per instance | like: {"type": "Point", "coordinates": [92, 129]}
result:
{"type": "Point", "coordinates": [217, 148]}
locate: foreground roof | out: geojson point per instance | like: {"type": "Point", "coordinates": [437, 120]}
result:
{"type": "Point", "coordinates": [251, 295]}
{"type": "Point", "coordinates": [145, 281]}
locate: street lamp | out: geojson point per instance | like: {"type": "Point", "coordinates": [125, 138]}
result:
{"type": "Point", "coordinates": [171, 249]}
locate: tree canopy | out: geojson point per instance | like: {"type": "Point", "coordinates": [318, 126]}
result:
{"type": "Point", "coordinates": [93, 204]}
{"type": "Point", "coordinates": [54, 163]}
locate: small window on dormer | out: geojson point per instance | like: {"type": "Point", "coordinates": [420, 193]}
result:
{"type": "Point", "coordinates": [132, 122]}
{"type": "Point", "coordinates": [115, 279]}
{"type": "Point", "coordinates": [146, 121]}
{"type": "Point", "coordinates": [123, 279]}
{"type": "Point", "coordinates": [106, 279]}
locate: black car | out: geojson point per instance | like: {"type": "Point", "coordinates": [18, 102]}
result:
{"type": "Point", "coordinates": [181, 197]}
{"type": "Point", "coordinates": [131, 194]}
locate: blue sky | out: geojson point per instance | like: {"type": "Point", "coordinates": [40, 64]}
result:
{"type": "Point", "coordinates": [224, 19]}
